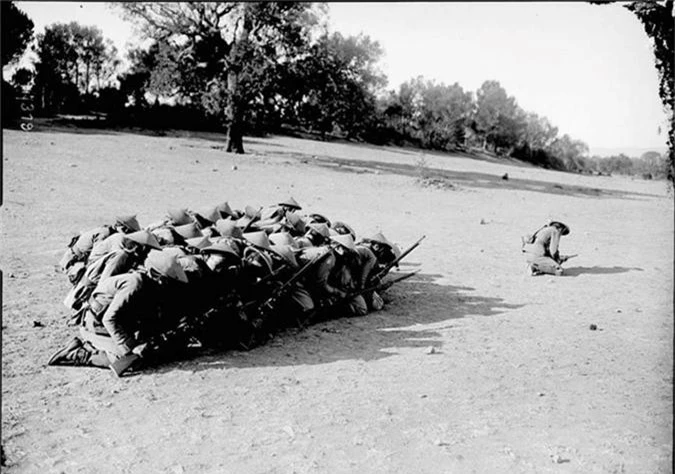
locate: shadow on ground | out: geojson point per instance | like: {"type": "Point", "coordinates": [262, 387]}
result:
{"type": "Point", "coordinates": [576, 271]}
{"type": "Point", "coordinates": [411, 305]}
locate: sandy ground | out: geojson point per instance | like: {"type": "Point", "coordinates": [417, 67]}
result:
{"type": "Point", "coordinates": [518, 382]}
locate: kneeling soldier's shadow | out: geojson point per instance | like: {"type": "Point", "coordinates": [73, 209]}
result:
{"type": "Point", "coordinates": [576, 271]}
{"type": "Point", "coordinates": [410, 306]}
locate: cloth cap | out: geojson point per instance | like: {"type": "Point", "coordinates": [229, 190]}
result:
{"type": "Point", "coordinates": [286, 252]}
{"type": "Point", "coordinates": [225, 209]}
{"type": "Point", "coordinates": [179, 216]}
{"type": "Point", "coordinates": [290, 202]}
{"type": "Point", "coordinates": [321, 229]}
{"type": "Point", "coordinates": [144, 237]}
{"type": "Point", "coordinates": [188, 231]}
{"type": "Point", "coordinates": [259, 239]}
{"type": "Point", "coordinates": [228, 228]}
{"type": "Point", "coordinates": [345, 240]}
{"type": "Point", "coordinates": [221, 246]}
{"type": "Point", "coordinates": [198, 242]}
{"type": "Point", "coordinates": [282, 238]}
{"type": "Point", "coordinates": [165, 264]}
{"type": "Point", "coordinates": [129, 222]}
{"type": "Point", "coordinates": [564, 227]}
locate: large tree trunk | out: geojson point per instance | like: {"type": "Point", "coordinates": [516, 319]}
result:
{"type": "Point", "coordinates": [234, 110]}
{"type": "Point", "coordinates": [233, 113]}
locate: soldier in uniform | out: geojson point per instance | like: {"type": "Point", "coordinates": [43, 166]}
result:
{"type": "Point", "coordinates": [135, 248]}
{"type": "Point", "coordinates": [75, 258]}
{"type": "Point", "coordinates": [316, 235]}
{"type": "Point", "coordinates": [541, 249]}
{"type": "Point", "coordinates": [384, 250]}
{"type": "Point", "coordinates": [120, 314]}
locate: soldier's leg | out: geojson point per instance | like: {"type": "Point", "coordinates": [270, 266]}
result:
{"type": "Point", "coordinates": [374, 301]}
{"type": "Point", "coordinates": [545, 265]}
{"type": "Point", "coordinates": [357, 306]}
{"type": "Point", "coordinates": [100, 342]}
{"type": "Point", "coordinates": [79, 353]}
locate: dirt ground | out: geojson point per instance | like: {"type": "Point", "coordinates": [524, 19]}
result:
{"type": "Point", "coordinates": [518, 382]}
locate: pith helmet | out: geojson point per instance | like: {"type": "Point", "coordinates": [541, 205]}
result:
{"type": "Point", "coordinates": [381, 239]}
{"type": "Point", "coordinates": [345, 240]}
{"type": "Point", "coordinates": [282, 238]}
{"type": "Point", "coordinates": [251, 212]}
{"type": "Point", "coordinates": [175, 251]}
{"type": "Point", "coordinates": [342, 228]}
{"type": "Point", "coordinates": [223, 247]}
{"type": "Point", "coordinates": [129, 222]}
{"type": "Point", "coordinates": [318, 219]}
{"type": "Point", "coordinates": [259, 239]}
{"type": "Point", "coordinates": [207, 217]}
{"type": "Point", "coordinates": [166, 265]}
{"type": "Point", "coordinates": [188, 231]}
{"type": "Point", "coordinates": [564, 227]}
{"type": "Point", "coordinates": [321, 229]}
{"type": "Point", "coordinates": [296, 222]}
{"type": "Point", "coordinates": [198, 242]}
{"type": "Point", "coordinates": [225, 210]}
{"type": "Point", "coordinates": [290, 202]}
{"type": "Point", "coordinates": [228, 228]}
{"type": "Point", "coordinates": [167, 236]}
{"type": "Point", "coordinates": [179, 216]}
{"type": "Point", "coordinates": [144, 237]}
{"type": "Point", "coordinates": [286, 252]}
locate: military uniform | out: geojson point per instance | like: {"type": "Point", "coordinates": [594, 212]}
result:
{"type": "Point", "coordinates": [541, 250]}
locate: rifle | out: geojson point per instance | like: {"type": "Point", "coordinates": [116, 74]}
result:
{"type": "Point", "coordinates": [286, 285]}
{"type": "Point", "coordinates": [381, 286]}
{"type": "Point", "coordinates": [564, 258]}
{"type": "Point", "coordinates": [394, 263]}
{"type": "Point", "coordinates": [354, 294]}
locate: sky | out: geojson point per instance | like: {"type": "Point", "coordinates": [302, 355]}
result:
{"type": "Point", "coordinates": [588, 68]}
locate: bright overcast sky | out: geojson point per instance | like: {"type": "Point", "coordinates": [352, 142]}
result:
{"type": "Point", "coordinates": [588, 68]}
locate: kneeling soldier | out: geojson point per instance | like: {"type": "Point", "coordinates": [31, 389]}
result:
{"type": "Point", "coordinates": [119, 308]}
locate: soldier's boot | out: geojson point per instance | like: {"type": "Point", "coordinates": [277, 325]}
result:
{"type": "Point", "coordinates": [65, 356]}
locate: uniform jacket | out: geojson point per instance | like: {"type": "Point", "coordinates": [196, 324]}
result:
{"type": "Point", "coordinates": [122, 304]}
{"type": "Point", "coordinates": [545, 243]}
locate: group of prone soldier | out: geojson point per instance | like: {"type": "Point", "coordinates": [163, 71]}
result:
{"type": "Point", "coordinates": [217, 279]}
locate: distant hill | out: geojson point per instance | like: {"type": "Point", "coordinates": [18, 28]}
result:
{"type": "Point", "coordinates": [631, 152]}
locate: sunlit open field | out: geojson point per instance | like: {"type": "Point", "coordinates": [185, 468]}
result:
{"type": "Point", "coordinates": [518, 382]}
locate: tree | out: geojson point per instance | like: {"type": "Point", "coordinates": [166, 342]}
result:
{"type": "Point", "coordinates": [570, 152]}
{"type": "Point", "coordinates": [498, 119]}
{"type": "Point", "coordinates": [17, 32]}
{"type": "Point", "coordinates": [72, 59]}
{"type": "Point", "coordinates": [223, 47]}
{"type": "Point", "coordinates": [657, 19]}
{"type": "Point", "coordinates": [333, 85]}
{"type": "Point", "coordinates": [435, 115]}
